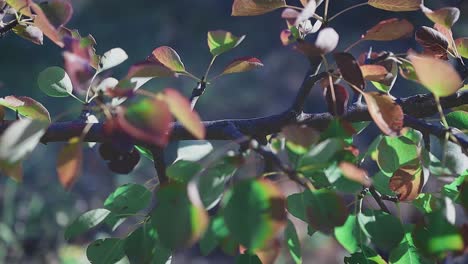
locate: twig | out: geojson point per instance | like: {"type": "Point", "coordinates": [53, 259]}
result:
{"type": "Point", "coordinates": [197, 92]}
{"type": "Point", "coordinates": [159, 165]}
{"type": "Point", "coordinates": [378, 199]}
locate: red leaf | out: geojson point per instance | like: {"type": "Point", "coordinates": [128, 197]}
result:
{"type": "Point", "coordinates": [350, 69]}
{"type": "Point", "coordinates": [446, 16]}
{"type": "Point", "coordinates": [387, 114]}
{"type": "Point", "coordinates": [390, 29]}
{"type": "Point", "coordinates": [69, 162]}
{"type": "Point", "coordinates": [341, 96]}
{"type": "Point", "coordinates": [149, 69]}
{"type": "Point", "coordinates": [168, 57]}
{"type": "Point", "coordinates": [58, 12]}
{"type": "Point", "coordinates": [45, 26]}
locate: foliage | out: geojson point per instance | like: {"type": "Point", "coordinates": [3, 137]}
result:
{"type": "Point", "coordinates": [205, 195]}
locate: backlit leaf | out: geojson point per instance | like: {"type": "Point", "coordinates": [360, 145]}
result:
{"type": "Point", "coordinates": [149, 70]}
{"type": "Point", "coordinates": [407, 182]}
{"type": "Point", "coordinates": [350, 70]}
{"type": "Point", "coordinates": [255, 7]}
{"type": "Point", "coordinates": [371, 223]}
{"type": "Point", "coordinates": [106, 251]}
{"type": "Point", "coordinates": [85, 222]}
{"type": "Point", "coordinates": [22, 6]}
{"type": "Point", "coordinates": [365, 256]}
{"type": "Point", "coordinates": [69, 162]}
{"type": "Point", "coordinates": [446, 16]}
{"type": "Point", "coordinates": [242, 65]}
{"type": "Point", "coordinates": [255, 213]}
{"type": "Point", "coordinates": [458, 119]}
{"type": "Point", "coordinates": [112, 58]}
{"type": "Point", "coordinates": [437, 76]}
{"type": "Point", "coordinates": [55, 82]}
{"type": "Point", "coordinates": [387, 114]}
{"type": "Point", "coordinates": [58, 12]}
{"type": "Point", "coordinates": [390, 29]}
{"type": "Point", "coordinates": [293, 243]}
{"type": "Point", "coordinates": [349, 235]}
{"type": "Point", "coordinates": [462, 47]}
{"type": "Point", "coordinates": [395, 152]}
{"type": "Point", "coordinates": [169, 58]}
{"type": "Point", "coordinates": [406, 252]}
{"type": "Point", "coordinates": [26, 106]}
{"type": "Point", "coordinates": [180, 108]}
{"type": "Point", "coordinates": [220, 41]}
{"type": "Point", "coordinates": [396, 5]}
{"type": "Point", "coordinates": [41, 21]}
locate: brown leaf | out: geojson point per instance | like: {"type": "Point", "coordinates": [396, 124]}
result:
{"type": "Point", "coordinates": [341, 99]}
{"type": "Point", "coordinates": [242, 65]}
{"type": "Point", "coordinates": [376, 73]}
{"type": "Point", "coordinates": [435, 44]}
{"type": "Point", "coordinates": [255, 7]}
{"type": "Point", "coordinates": [446, 16]}
{"type": "Point", "coordinates": [69, 162]}
{"type": "Point", "coordinates": [407, 182]}
{"type": "Point", "coordinates": [45, 26]}
{"type": "Point", "coordinates": [387, 114]}
{"type": "Point", "coordinates": [354, 173]}
{"type": "Point", "coordinates": [301, 135]}
{"type": "Point", "coordinates": [396, 5]}
{"type": "Point", "coordinates": [169, 58]}
{"type": "Point", "coordinates": [390, 29]}
{"type": "Point", "coordinates": [350, 69]}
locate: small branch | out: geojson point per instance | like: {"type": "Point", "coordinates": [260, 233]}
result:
{"type": "Point", "coordinates": [378, 199]}
{"type": "Point", "coordinates": [311, 78]}
{"type": "Point", "coordinates": [159, 165]}
{"type": "Point", "coordinates": [197, 92]}
{"type": "Point", "coordinates": [8, 27]}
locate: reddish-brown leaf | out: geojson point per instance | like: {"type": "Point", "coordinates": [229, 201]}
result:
{"type": "Point", "coordinates": [354, 173]}
{"type": "Point", "coordinates": [58, 12]}
{"type": "Point", "coordinates": [341, 99]}
{"type": "Point", "coordinates": [435, 44]}
{"type": "Point", "coordinates": [407, 182]}
{"type": "Point", "coordinates": [45, 26]}
{"type": "Point", "coordinates": [350, 70]}
{"type": "Point", "coordinates": [255, 7]}
{"type": "Point", "coordinates": [69, 162]}
{"type": "Point", "coordinates": [387, 114]}
{"type": "Point", "coordinates": [390, 29]}
{"type": "Point", "coordinates": [169, 58]}
{"type": "Point", "coordinates": [149, 69]}
{"type": "Point", "coordinates": [242, 65]}
{"type": "Point", "coordinates": [396, 5]}
{"type": "Point", "coordinates": [27, 107]}
{"type": "Point", "coordinates": [462, 46]}
{"type": "Point", "coordinates": [376, 73]}
{"type": "Point", "coordinates": [446, 16]}
{"type": "Point", "coordinates": [180, 108]}
{"type": "Point", "coordinates": [326, 42]}
{"type": "Point", "coordinates": [301, 135]}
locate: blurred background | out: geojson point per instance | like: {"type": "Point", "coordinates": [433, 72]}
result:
{"type": "Point", "coordinates": [33, 214]}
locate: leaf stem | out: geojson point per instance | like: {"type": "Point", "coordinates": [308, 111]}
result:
{"type": "Point", "coordinates": [353, 45]}
{"type": "Point", "coordinates": [325, 14]}
{"type": "Point", "coordinates": [90, 86]}
{"type": "Point", "coordinates": [209, 67]}
{"type": "Point", "coordinates": [346, 10]}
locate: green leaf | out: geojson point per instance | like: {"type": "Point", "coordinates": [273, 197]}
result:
{"type": "Point", "coordinates": [85, 222]}
{"type": "Point", "coordinates": [209, 241]}
{"type": "Point", "coordinates": [106, 251]}
{"type": "Point", "coordinates": [320, 155]}
{"type": "Point", "coordinates": [220, 41]}
{"type": "Point", "coordinates": [242, 65]}
{"type": "Point", "coordinates": [322, 209]}
{"type": "Point", "coordinates": [254, 213]}
{"type": "Point", "coordinates": [366, 256]}
{"type": "Point", "coordinates": [437, 237]}
{"type": "Point", "coordinates": [462, 47]}
{"type": "Point", "coordinates": [143, 246]}
{"type": "Point", "coordinates": [26, 106]}
{"type": "Point", "coordinates": [169, 58]}
{"type": "Point", "coordinates": [427, 203]}
{"type": "Point", "coordinates": [371, 223]}
{"type": "Point", "coordinates": [247, 259]}
{"type": "Point", "coordinates": [182, 170]}
{"type": "Point", "coordinates": [128, 199]}
{"type": "Point", "coordinates": [394, 152]}
{"type": "Point", "coordinates": [458, 119]}
{"type": "Point", "coordinates": [55, 82]}
{"type": "Point", "coordinates": [22, 6]}
{"type": "Point", "coordinates": [350, 235]}
{"type": "Point", "coordinates": [112, 58]}
{"type": "Point", "coordinates": [396, 5]}
{"type": "Point", "coordinates": [145, 152]}
{"type": "Point", "coordinates": [406, 252]}
{"type": "Point", "coordinates": [293, 243]}
{"type": "Point", "coordinates": [255, 7]}
{"type": "Point", "coordinates": [178, 222]}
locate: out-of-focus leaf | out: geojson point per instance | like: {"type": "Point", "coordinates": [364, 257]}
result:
{"type": "Point", "coordinates": [387, 114]}
{"type": "Point", "coordinates": [435, 44]}
{"type": "Point", "coordinates": [396, 5]}
{"type": "Point", "coordinates": [183, 170]}
{"type": "Point", "coordinates": [169, 58]}
{"type": "Point", "coordinates": [306, 13]}
{"type": "Point", "coordinates": [128, 199]}
{"type": "Point", "coordinates": [349, 235]}
{"type": "Point", "coordinates": [149, 69]}
{"type": "Point", "coordinates": [112, 58]}
{"type": "Point", "coordinates": [366, 256]}
{"type": "Point", "coordinates": [354, 173]}
{"type": "Point", "coordinates": [106, 251]}
{"type": "Point", "coordinates": [182, 223]}
{"type": "Point", "coordinates": [427, 203]}
{"type": "Point", "coordinates": [300, 138]}
{"type": "Point", "coordinates": [406, 252]}
{"type": "Point", "coordinates": [26, 106]}
{"type": "Point", "coordinates": [143, 246]}
{"type": "Point", "coordinates": [407, 71]}
{"type": "Point", "coordinates": [390, 29]}
{"type": "Point", "coordinates": [462, 47]}
{"type": "Point", "coordinates": [374, 73]}
{"type": "Point", "coordinates": [220, 41]}
{"type": "Point", "coordinates": [148, 120]}
{"type": "Point", "coordinates": [323, 209]}
{"type": "Point", "coordinates": [326, 42]}
{"type": "Point", "coordinates": [341, 99]}
{"type": "Point", "coordinates": [55, 82]}
{"type": "Point", "coordinates": [320, 155]}
{"type": "Point", "coordinates": [58, 12]}
{"type": "Point", "coordinates": [69, 162]}
{"type": "Point", "coordinates": [42, 22]}
{"type": "Point", "coordinates": [85, 222]}
{"type": "Point", "coordinates": [22, 6]}
{"type": "Point", "coordinates": [458, 119]}
{"type": "Point", "coordinates": [31, 33]}
{"type": "Point", "coordinates": [407, 182]}
{"type": "Point", "coordinates": [371, 223]}
{"type": "Point", "coordinates": [247, 258]}
{"type": "Point", "coordinates": [254, 213]}
{"type": "Point", "coordinates": [180, 108]}
{"type": "Point", "coordinates": [446, 16]}
{"type": "Point", "coordinates": [293, 242]}
{"type": "Point", "coordinates": [242, 65]}
{"type": "Point", "coordinates": [437, 76]}
{"type": "Point", "coordinates": [350, 70]}
{"type": "Point", "coordinates": [255, 7]}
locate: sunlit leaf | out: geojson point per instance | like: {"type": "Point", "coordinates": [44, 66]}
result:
{"type": "Point", "coordinates": [320, 155]}
{"type": "Point", "coordinates": [434, 43]}
{"type": "Point", "coordinates": [220, 41]}
{"type": "Point", "coordinates": [143, 246]}
{"type": "Point", "coordinates": [371, 223]}
{"type": "Point", "coordinates": [349, 235]}
{"type": "Point", "coordinates": [293, 243]}
{"type": "Point", "coordinates": [437, 76]}
{"type": "Point", "coordinates": [112, 58]}
{"type": "Point", "coordinates": [390, 29]}
{"type": "Point", "coordinates": [242, 65]}
{"type": "Point", "coordinates": [255, 7]}
{"type": "Point", "coordinates": [26, 106]}
{"type": "Point", "coordinates": [350, 70]}
{"type": "Point", "coordinates": [366, 256]}
{"type": "Point", "coordinates": [406, 252]}
{"type": "Point", "coordinates": [395, 152]}
{"type": "Point", "coordinates": [446, 16]}
{"type": "Point", "coordinates": [255, 213]}
{"type": "Point", "coordinates": [22, 6]}
{"type": "Point", "coordinates": [407, 182]}
{"type": "Point", "coordinates": [374, 73]}
{"type": "Point", "coordinates": [149, 69]}
{"type": "Point", "coordinates": [106, 251]}
{"type": "Point", "coordinates": [41, 21]}
{"type": "Point", "coordinates": [55, 82]}
{"type": "Point", "coordinates": [69, 162]}
{"type": "Point", "coordinates": [31, 33]}
{"type": "Point", "coordinates": [458, 119]}
{"type": "Point", "coordinates": [387, 114]}
{"type": "Point", "coordinates": [169, 58]}
{"type": "Point", "coordinates": [354, 173]}
{"type": "Point", "coordinates": [147, 120]}
{"type": "Point", "coordinates": [462, 47]}
{"type": "Point", "coordinates": [85, 222]}
{"type": "Point", "coordinates": [128, 199]}
{"type": "Point", "coordinates": [178, 222]}
{"type": "Point", "coordinates": [180, 108]}
{"type": "Point", "coordinates": [396, 5]}
{"type": "Point", "coordinates": [58, 12]}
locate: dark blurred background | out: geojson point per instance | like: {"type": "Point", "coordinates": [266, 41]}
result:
{"type": "Point", "coordinates": [33, 214]}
